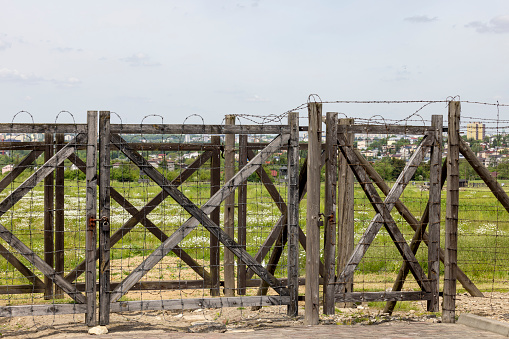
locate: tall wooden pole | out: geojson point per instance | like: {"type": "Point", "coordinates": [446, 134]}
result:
{"type": "Point", "coordinates": [242, 217]}
{"type": "Point", "coordinates": [229, 209]}
{"type": "Point", "coordinates": [104, 216]}
{"type": "Point", "coordinates": [91, 207]}
{"type": "Point", "coordinates": [59, 217]}
{"type": "Point", "coordinates": [293, 214]}
{"type": "Point", "coordinates": [345, 211]}
{"type": "Point", "coordinates": [331, 179]}
{"type": "Point", "coordinates": [48, 216]}
{"type": "Point", "coordinates": [451, 214]}
{"type": "Point", "coordinates": [313, 211]}
{"type": "Point", "coordinates": [435, 191]}
{"type": "Point", "coordinates": [215, 183]}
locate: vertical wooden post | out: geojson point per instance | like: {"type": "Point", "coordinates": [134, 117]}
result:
{"type": "Point", "coordinates": [435, 191]}
{"type": "Point", "coordinates": [313, 211]}
{"type": "Point", "coordinates": [91, 207]}
{"type": "Point", "coordinates": [104, 216]}
{"type": "Point", "coordinates": [242, 217]}
{"type": "Point", "coordinates": [345, 211]}
{"type": "Point", "coordinates": [215, 183]}
{"type": "Point", "coordinates": [229, 209]}
{"type": "Point", "coordinates": [331, 180]}
{"type": "Point", "coordinates": [451, 214]}
{"type": "Point", "coordinates": [293, 214]}
{"type": "Point", "coordinates": [59, 218]}
{"type": "Point", "coordinates": [48, 216]}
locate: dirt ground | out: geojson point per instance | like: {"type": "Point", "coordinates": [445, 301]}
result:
{"type": "Point", "coordinates": [494, 305]}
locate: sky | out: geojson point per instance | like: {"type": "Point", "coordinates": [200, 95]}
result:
{"type": "Point", "coordinates": [204, 59]}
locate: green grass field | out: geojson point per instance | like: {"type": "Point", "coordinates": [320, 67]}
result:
{"type": "Point", "coordinates": [483, 232]}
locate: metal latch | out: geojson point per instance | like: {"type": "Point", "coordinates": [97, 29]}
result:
{"type": "Point", "coordinates": [104, 220]}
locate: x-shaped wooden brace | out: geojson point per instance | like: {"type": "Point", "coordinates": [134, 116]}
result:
{"type": "Point", "coordinates": [141, 216]}
{"type": "Point", "coordinates": [18, 194]}
{"type": "Point", "coordinates": [6, 181]}
{"type": "Point", "coordinates": [383, 216]}
{"type": "Point", "coordinates": [198, 215]}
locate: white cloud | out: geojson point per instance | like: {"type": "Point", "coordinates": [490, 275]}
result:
{"type": "Point", "coordinates": [13, 75]}
{"type": "Point", "coordinates": [420, 19]}
{"type": "Point", "coordinates": [499, 24]}
{"type": "Point", "coordinates": [67, 83]}
{"type": "Point", "coordinates": [140, 59]}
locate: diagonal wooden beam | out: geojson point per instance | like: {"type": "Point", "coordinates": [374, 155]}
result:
{"type": "Point", "coordinates": [47, 270]}
{"type": "Point", "coordinates": [19, 168]}
{"type": "Point", "coordinates": [275, 234]}
{"type": "Point", "coordinates": [41, 173]}
{"type": "Point", "coordinates": [36, 282]}
{"type": "Point", "coordinates": [485, 175]}
{"type": "Point", "coordinates": [142, 214]}
{"type": "Point", "coordinates": [198, 215]}
{"type": "Point", "coordinates": [415, 224]}
{"type": "Point", "coordinates": [414, 246]}
{"type": "Point", "coordinates": [383, 216]}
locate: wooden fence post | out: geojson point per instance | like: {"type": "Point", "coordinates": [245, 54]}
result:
{"type": "Point", "coordinates": [331, 180]}
{"type": "Point", "coordinates": [313, 211]}
{"type": "Point", "coordinates": [451, 217]}
{"type": "Point", "coordinates": [48, 216]}
{"type": "Point", "coordinates": [242, 217]}
{"type": "Point", "coordinates": [104, 216]}
{"type": "Point", "coordinates": [229, 209]}
{"type": "Point", "coordinates": [293, 214]}
{"type": "Point", "coordinates": [435, 191]}
{"type": "Point", "coordinates": [59, 217]}
{"type": "Point", "coordinates": [345, 210]}
{"type": "Point", "coordinates": [91, 208]}
{"type": "Point", "coordinates": [215, 183]}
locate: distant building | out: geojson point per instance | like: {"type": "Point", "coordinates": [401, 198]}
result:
{"type": "Point", "coordinates": [476, 131]}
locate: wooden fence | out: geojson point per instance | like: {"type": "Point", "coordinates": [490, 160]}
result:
{"type": "Point", "coordinates": [343, 166]}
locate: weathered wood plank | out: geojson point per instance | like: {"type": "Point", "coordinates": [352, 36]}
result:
{"type": "Point", "coordinates": [36, 310]}
{"type": "Point", "coordinates": [451, 214]}
{"type": "Point", "coordinates": [103, 225]}
{"type": "Point", "coordinates": [19, 168]}
{"type": "Point", "coordinates": [91, 227]}
{"type": "Point", "coordinates": [331, 181]}
{"type": "Point", "coordinates": [192, 222]}
{"type": "Point", "coordinates": [40, 174]}
{"type": "Point", "coordinates": [242, 216]}
{"type": "Point", "coordinates": [48, 215]}
{"type": "Point", "coordinates": [385, 129]}
{"type": "Point", "coordinates": [59, 216]}
{"type": "Point", "coordinates": [383, 296]}
{"type": "Point", "coordinates": [312, 214]}
{"type": "Point", "coordinates": [198, 129]}
{"type": "Point", "coordinates": [346, 225]}
{"type": "Point", "coordinates": [435, 200]}
{"type": "Point", "coordinates": [383, 216]}
{"type": "Point", "coordinates": [198, 303]}
{"type": "Point", "coordinates": [294, 198]}
{"type": "Point", "coordinates": [42, 128]}
{"type": "Point", "coordinates": [23, 145]}
{"type": "Point", "coordinates": [215, 215]}
{"type": "Point", "coordinates": [229, 209]}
